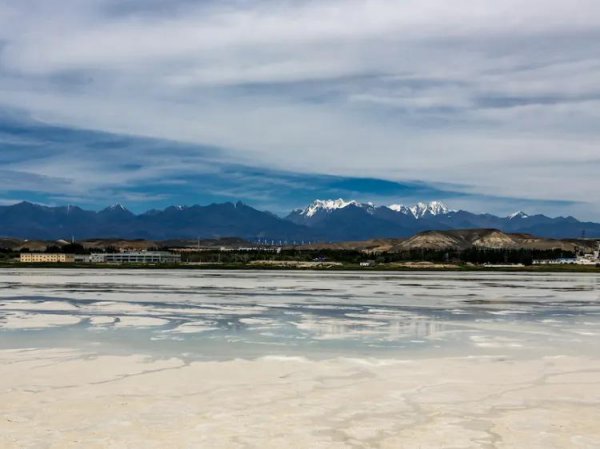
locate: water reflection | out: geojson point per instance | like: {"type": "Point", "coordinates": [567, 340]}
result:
{"type": "Point", "coordinates": [345, 312]}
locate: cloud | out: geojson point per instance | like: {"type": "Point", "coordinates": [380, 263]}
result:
{"type": "Point", "coordinates": [499, 99]}
{"type": "Point", "coordinates": [58, 165]}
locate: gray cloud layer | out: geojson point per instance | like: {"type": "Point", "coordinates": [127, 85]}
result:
{"type": "Point", "coordinates": [499, 97]}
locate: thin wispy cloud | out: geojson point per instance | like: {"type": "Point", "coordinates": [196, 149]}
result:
{"type": "Point", "coordinates": [498, 99]}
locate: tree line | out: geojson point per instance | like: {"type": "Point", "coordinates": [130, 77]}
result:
{"type": "Point", "coordinates": [471, 255]}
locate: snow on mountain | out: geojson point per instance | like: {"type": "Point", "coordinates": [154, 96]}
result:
{"type": "Point", "coordinates": [330, 205]}
{"type": "Point", "coordinates": [518, 214]}
{"type": "Point", "coordinates": [417, 211]}
{"type": "Point", "coordinates": [420, 210]}
{"type": "Point", "coordinates": [438, 208]}
{"type": "Point", "coordinates": [117, 207]}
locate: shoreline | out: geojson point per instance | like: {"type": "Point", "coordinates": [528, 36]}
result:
{"type": "Point", "coordinates": [342, 268]}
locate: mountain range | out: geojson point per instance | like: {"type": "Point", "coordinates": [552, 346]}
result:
{"type": "Point", "coordinates": [359, 220]}
{"type": "Point", "coordinates": [322, 220]}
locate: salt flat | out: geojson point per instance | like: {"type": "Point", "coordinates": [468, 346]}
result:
{"type": "Point", "coordinates": [142, 359]}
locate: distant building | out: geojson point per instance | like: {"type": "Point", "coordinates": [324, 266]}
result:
{"type": "Point", "coordinates": [47, 258]}
{"type": "Point", "coordinates": [560, 261]}
{"type": "Point", "coordinates": [503, 265]}
{"type": "Point", "coordinates": [149, 257]}
{"type": "Point", "coordinates": [583, 260]}
{"type": "Point", "coordinates": [592, 258]}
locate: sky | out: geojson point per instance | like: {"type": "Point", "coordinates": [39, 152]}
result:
{"type": "Point", "coordinates": [488, 106]}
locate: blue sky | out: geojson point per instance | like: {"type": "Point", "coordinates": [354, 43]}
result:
{"type": "Point", "coordinates": [488, 106]}
{"type": "Point", "coordinates": [53, 165]}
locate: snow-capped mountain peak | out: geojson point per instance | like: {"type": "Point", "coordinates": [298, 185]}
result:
{"type": "Point", "coordinates": [117, 206]}
{"type": "Point", "coordinates": [114, 209]}
{"type": "Point", "coordinates": [327, 205]}
{"type": "Point", "coordinates": [518, 214]}
{"type": "Point", "coordinates": [420, 209]}
{"type": "Point", "coordinates": [438, 208]}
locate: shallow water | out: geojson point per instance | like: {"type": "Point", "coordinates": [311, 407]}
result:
{"type": "Point", "coordinates": [247, 314]}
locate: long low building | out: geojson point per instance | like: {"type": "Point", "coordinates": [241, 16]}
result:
{"type": "Point", "coordinates": [150, 257]}
{"type": "Point", "coordinates": [46, 258]}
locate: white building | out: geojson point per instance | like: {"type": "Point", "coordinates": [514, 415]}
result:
{"type": "Point", "coordinates": [560, 261]}
{"type": "Point", "coordinates": [149, 257]}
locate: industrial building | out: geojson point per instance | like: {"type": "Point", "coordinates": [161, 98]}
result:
{"type": "Point", "coordinates": [46, 258]}
{"type": "Point", "coordinates": [142, 257]}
